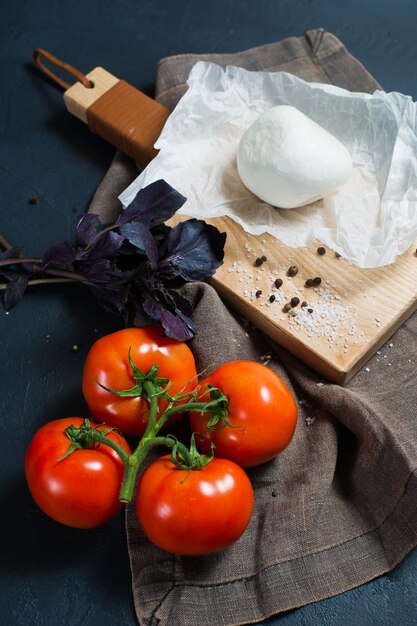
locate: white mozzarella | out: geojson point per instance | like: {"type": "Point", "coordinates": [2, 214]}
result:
{"type": "Point", "coordinates": [288, 160]}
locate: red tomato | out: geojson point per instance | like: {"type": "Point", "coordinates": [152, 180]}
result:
{"type": "Point", "coordinates": [107, 362]}
{"type": "Point", "coordinates": [259, 403]}
{"type": "Point", "coordinates": [80, 491]}
{"type": "Point", "coordinates": [194, 512]}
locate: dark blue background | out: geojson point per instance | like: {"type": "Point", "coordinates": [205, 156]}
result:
{"type": "Point", "coordinates": [50, 574]}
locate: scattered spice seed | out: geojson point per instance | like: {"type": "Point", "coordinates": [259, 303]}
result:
{"type": "Point", "coordinates": [304, 304]}
{"type": "Point", "coordinates": [317, 280]}
{"type": "Point", "coordinates": [258, 293]}
{"type": "Point", "coordinates": [278, 282]}
{"type": "Point", "coordinates": [295, 301]}
{"type": "Point", "coordinates": [310, 310]}
{"type": "Point", "coordinates": [263, 258]}
{"type": "Point", "coordinates": [292, 270]}
{"type": "Point", "coordinates": [258, 262]}
{"type": "Point", "coordinates": [34, 199]}
{"type": "Point", "coordinates": [321, 250]}
{"type": "Point", "coordinates": [286, 307]}
{"type": "Point", "coordinates": [272, 298]}
{"type": "Point", "coordinates": [337, 255]}
{"type": "Point", "coordinates": [309, 282]}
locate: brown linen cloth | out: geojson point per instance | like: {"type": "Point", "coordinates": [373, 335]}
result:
{"type": "Point", "coordinates": [339, 506]}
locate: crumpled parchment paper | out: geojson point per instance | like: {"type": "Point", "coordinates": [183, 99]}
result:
{"type": "Point", "coordinates": [370, 221]}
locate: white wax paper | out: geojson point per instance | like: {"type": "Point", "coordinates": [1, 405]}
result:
{"type": "Point", "coordinates": [370, 221]}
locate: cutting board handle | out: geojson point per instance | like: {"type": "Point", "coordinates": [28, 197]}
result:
{"type": "Point", "coordinates": [112, 108]}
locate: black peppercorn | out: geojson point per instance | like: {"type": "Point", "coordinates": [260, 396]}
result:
{"type": "Point", "coordinates": [317, 280]}
{"type": "Point", "coordinates": [258, 262]}
{"type": "Point", "coordinates": [278, 282]}
{"type": "Point", "coordinates": [271, 298]}
{"type": "Point", "coordinates": [263, 258]}
{"type": "Point", "coordinates": [310, 310]}
{"type": "Point", "coordinates": [258, 293]}
{"type": "Point", "coordinates": [286, 307]}
{"type": "Point", "coordinates": [295, 301]}
{"type": "Point", "coordinates": [337, 255]}
{"type": "Point", "coordinates": [309, 282]}
{"type": "Point", "coordinates": [292, 270]}
{"type": "Point", "coordinates": [304, 304]}
{"type": "Point", "coordinates": [34, 199]}
{"type": "Point", "coordinates": [321, 250]}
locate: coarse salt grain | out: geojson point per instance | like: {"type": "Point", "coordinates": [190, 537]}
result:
{"type": "Point", "coordinates": [328, 318]}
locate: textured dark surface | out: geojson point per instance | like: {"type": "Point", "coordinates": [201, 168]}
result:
{"type": "Point", "coordinates": [50, 574]}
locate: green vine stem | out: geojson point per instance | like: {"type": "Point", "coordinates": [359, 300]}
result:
{"type": "Point", "coordinates": [152, 388]}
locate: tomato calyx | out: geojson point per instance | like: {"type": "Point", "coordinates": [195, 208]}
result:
{"type": "Point", "coordinates": [219, 418]}
{"type": "Point", "coordinates": [189, 459]}
{"type": "Point", "coordinates": [147, 384]}
{"type": "Point", "coordinates": [86, 437]}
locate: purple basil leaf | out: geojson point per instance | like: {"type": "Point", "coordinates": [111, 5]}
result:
{"type": "Point", "coordinates": [87, 228]}
{"type": "Point", "coordinates": [14, 291]}
{"type": "Point", "coordinates": [140, 236]}
{"type": "Point", "coordinates": [60, 255]}
{"type": "Point", "coordinates": [152, 308]}
{"type": "Point", "coordinates": [104, 272]}
{"type": "Point", "coordinates": [175, 327]}
{"type": "Point", "coordinates": [110, 285]}
{"type": "Point", "coordinates": [195, 251]}
{"type": "Point", "coordinates": [106, 246]}
{"type": "Point", "coordinates": [11, 253]}
{"type": "Point", "coordinates": [153, 204]}
{"type": "Point", "coordinates": [112, 299]}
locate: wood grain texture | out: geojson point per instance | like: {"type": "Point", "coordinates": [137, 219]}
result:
{"type": "Point", "coordinates": [78, 98]}
{"type": "Point", "coordinates": [349, 316]}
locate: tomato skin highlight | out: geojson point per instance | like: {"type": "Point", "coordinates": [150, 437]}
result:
{"type": "Point", "coordinates": [262, 407]}
{"type": "Point", "coordinates": [194, 512]}
{"type": "Point", "coordinates": [81, 491]}
{"type": "Point", "coordinates": [107, 362]}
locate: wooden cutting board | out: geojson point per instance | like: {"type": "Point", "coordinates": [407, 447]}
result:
{"type": "Point", "coordinates": [348, 317]}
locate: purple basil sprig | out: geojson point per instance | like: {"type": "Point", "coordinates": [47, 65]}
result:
{"type": "Point", "coordinates": [133, 266]}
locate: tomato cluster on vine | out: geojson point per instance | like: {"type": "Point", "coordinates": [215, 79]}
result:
{"type": "Point", "coordinates": [136, 381]}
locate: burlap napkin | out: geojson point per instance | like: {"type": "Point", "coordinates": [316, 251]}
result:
{"type": "Point", "coordinates": [339, 506]}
